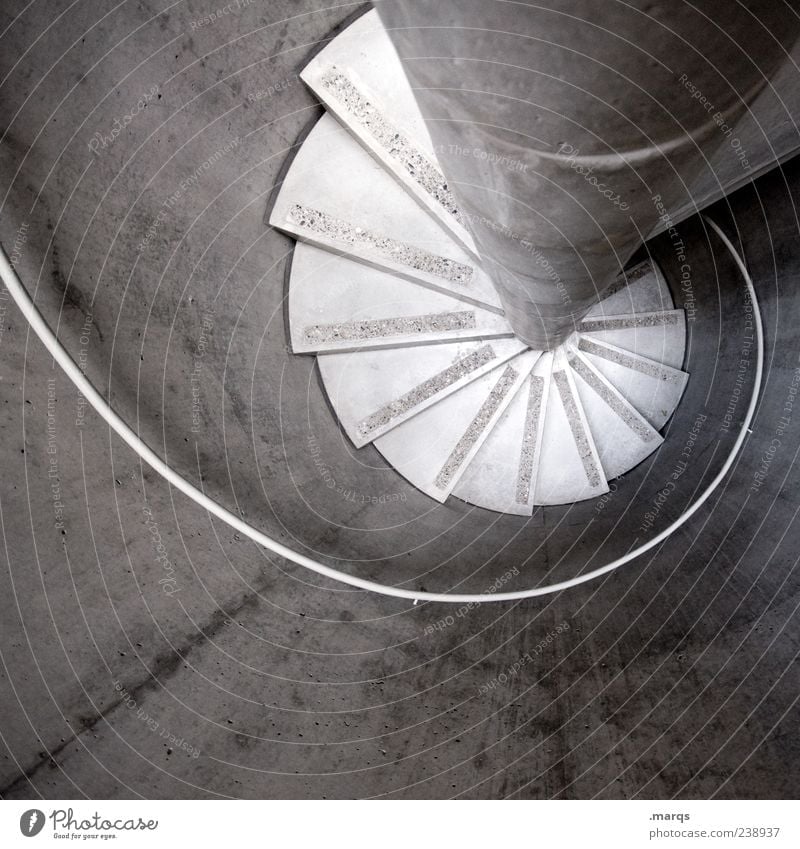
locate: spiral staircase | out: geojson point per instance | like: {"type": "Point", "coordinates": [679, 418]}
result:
{"type": "Point", "coordinates": [387, 290]}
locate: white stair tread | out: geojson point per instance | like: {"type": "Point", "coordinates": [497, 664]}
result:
{"type": "Point", "coordinates": [502, 476]}
{"type": "Point", "coordinates": [335, 196]}
{"type": "Point", "coordinates": [339, 305]}
{"type": "Point", "coordinates": [375, 391]}
{"type": "Point", "coordinates": [640, 289]}
{"type": "Point", "coordinates": [652, 388]}
{"type": "Point", "coordinates": [569, 466]}
{"type": "Point", "coordinates": [360, 80]}
{"type": "Point", "coordinates": [367, 53]}
{"type": "Point", "coordinates": [622, 436]}
{"type": "Point", "coordinates": [432, 449]}
{"type": "Point", "coordinates": [657, 335]}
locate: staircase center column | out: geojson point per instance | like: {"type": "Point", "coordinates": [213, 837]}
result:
{"type": "Point", "coordinates": [568, 128]}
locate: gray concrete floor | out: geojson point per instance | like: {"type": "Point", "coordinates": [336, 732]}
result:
{"type": "Point", "coordinates": [226, 672]}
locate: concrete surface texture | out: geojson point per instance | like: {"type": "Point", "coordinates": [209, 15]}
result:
{"type": "Point", "coordinates": [149, 652]}
{"type": "Point", "coordinates": [529, 102]}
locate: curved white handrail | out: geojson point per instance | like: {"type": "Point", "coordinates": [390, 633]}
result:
{"type": "Point", "coordinates": [50, 341]}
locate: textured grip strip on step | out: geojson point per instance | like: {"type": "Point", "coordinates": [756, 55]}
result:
{"type": "Point", "coordinates": [528, 452]}
{"type": "Point", "coordinates": [640, 364]}
{"type": "Point", "coordinates": [477, 426]}
{"type": "Point", "coordinates": [625, 278]}
{"type": "Point", "coordinates": [638, 271]}
{"type": "Point", "coordinates": [398, 252]}
{"type": "Point", "coordinates": [385, 328]}
{"type": "Point", "coordinates": [576, 426]}
{"type": "Point", "coordinates": [633, 421]}
{"type": "Point", "coordinates": [426, 390]}
{"type": "Point", "coordinates": [401, 149]}
{"type": "Point", "coordinates": [629, 322]}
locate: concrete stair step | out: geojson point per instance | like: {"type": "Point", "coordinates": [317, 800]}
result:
{"type": "Point", "coordinates": [337, 197]}
{"type": "Point", "coordinates": [339, 305]}
{"type": "Point", "coordinates": [433, 449]}
{"type": "Point", "coordinates": [639, 289]}
{"type": "Point", "coordinates": [359, 79]}
{"type": "Point", "coordinates": [502, 476]}
{"type": "Point", "coordinates": [376, 391]}
{"type": "Point", "coordinates": [622, 436]}
{"type": "Point", "coordinates": [651, 387]}
{"type": "Point", "coordinates": [658, 335]}
{"type": "Point", "coordinates": [569, 468]}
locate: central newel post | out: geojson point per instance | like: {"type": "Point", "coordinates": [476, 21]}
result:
{"type": "Point", "coordinates": [568, 128]}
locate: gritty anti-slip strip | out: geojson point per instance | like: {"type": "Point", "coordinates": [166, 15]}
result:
{"type": "Point", "coordinates": [529, 439]}
{"type": "Point", "coordinates": [426, 390]}
{"type": "Point", "coordinates": [621, 358]}
{"type": "Point", "coordinates": [625, 278]}
{"type": "Point", "coordinates": [401, 253]}
{"type": "Point", "coordinates": [628, 322]}
{"type": "Point", "coordinates": [578, 431]}
{"type": "Point", "coordinates": [379, 328]}
{"type": "Point", "coordinates": [638, 271]}
{"type": "Point", "coordinates": [623, 410]}
{"type": "Point", "coordinates": [477, 427]}
{"type": "Point", "coordinates": [399, 148]}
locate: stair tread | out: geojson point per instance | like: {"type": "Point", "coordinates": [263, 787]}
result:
{"type": "Point", "coordinates": [376, 391]}
{"type": "Point", "coordinates": [335, 196]}
{"type": "Point", "coordinates": [339, 305]}
{"type": "Point", "coordinates": [639, 289]}
{"type": "Point", "coordinates": [432, 449]}
{"type": "Point", "coordinates": [623, 437]}
{"type": "Point", "coordinates": [502, 475]}
{"type": "Point", "coordinates": [569, 468]}
{"type": "Point", "coordinates": [360, 80]}
{"type": "Point", "coordinates": [654, 389]}
{"type": "Point", "coordinates": [365, 49]}
{"type": "Point", "coordinates": [659, 335]}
